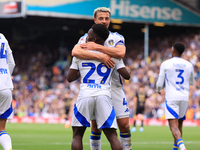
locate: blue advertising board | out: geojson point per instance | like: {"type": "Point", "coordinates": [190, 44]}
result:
{"type": "Point", "coordinates": [143, 11]}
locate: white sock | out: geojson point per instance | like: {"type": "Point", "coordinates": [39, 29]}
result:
{"type": "Point", "coordinates": [5, 140]}
{"type": "Point", "coordinates": [182, 147]}
{"type": "Point", "coordinates": [95, 144]}
{"type": "Point", "coordinates": [125, 139]}
{"type": "Point", "coordinates": [180, 144]}
{"type": "Point", "coordinates": [95, 141]}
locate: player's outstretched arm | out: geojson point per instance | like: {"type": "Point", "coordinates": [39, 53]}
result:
{"type": "Point", "coordinates": [159, 84]}
{"type": "Point", "coordinates": [72, 75]}
{"type": "Point", "coordinates": [124, 73]}
{"type": "Point", "coordinates": [11, 62]}
{"type": "Point", "coordinates": [115, 52]}
{"type": "Point", "coordinates": [10, 59]}
{"type": "Point", "coordinates": [81, 53]}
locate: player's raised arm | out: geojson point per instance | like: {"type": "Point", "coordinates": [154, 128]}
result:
{"type": "Point", "coordinates": [81, 53]}
{"type": "Point", "coordinates": [115, 52]}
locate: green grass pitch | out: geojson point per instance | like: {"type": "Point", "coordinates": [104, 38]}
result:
{"type": "Point", "coordinates": [56, 137]}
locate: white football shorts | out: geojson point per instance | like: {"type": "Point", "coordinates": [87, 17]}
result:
{"type": "Point", "coordinates": [6, 111]}
{"type": "Point", "coordinates": [175, 109]}
{"type": "Point", "coordinates": [119, 102]}
{"type": "Point", "coordinates": [98, 107]}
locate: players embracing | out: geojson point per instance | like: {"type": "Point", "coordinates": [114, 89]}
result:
{"type": "Point", "coordinates": [114, 46]}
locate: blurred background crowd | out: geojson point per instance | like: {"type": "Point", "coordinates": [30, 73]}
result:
{"type": "Point", "coordinates": [41, 88]}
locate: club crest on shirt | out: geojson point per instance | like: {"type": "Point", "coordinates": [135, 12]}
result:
{"type": "Point", "coordinates": [111, 42]}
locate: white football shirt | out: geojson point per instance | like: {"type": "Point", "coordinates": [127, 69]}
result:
{"type": "Point", "coordinates": [6, 64]}
{"type": "Point", "coordinates": [95, 76]}
{"type": "Point", "coordinates": [113, 40]}
{"type": "Point", "coordinates": [178, 74]}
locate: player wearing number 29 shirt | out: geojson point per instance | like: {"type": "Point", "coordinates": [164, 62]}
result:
{"type": "Point", "coordinates": [118, 95]}
{"type": "Point", "coordinates": [6, 68]}
{"type": "Point", "coordinates": [177, 74]}
{"type": "Point", "coordinates": [95, 81]}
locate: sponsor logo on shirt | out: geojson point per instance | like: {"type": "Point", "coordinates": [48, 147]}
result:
{"type": "Point", "coordinates": [127, 110]}
{"type": "Point", "coordinates": [3, 71]}
{"type": "Point", "coordinates": [179, 89]}
{"type": "Point", "coordinates": [96, 86]}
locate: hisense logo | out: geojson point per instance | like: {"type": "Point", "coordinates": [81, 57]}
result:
{"type": "Point", "coordinates": [126, 9]}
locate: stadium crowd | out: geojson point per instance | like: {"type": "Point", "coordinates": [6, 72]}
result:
{"type": "Point", "coordinates": [41, 88]}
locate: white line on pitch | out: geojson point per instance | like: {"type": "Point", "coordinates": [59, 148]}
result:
{"type": "Point", "coordinates": [104, 143]}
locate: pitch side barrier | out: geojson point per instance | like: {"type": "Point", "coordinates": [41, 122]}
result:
{"type": "Point", "coordinates": [58, 120]}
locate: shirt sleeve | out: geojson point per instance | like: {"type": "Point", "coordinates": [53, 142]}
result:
{"type": "Point", "coordinates": [161, 79]}
{"type": "Point", "coordinates": [119, 63]}
{"type": "Point", "coordinates": [82, 39]}
{"type": "Point", "coordinates": [74, 64]}
{"type": "Point", "coordinates": [159, 84]}
{"type": "Point", "coordinates": [120, 40]}
{"type": "Point", "coordinates": [10, 59]}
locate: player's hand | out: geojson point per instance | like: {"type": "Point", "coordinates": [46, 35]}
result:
{"type": "Point", "coordinates": [162, 92]}
{"type": "Point", "coordinates": [89, 45]}
{"type": "Point", "coordinates": [107, 61]}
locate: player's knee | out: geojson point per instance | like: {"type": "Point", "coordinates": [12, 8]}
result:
{"type": "Point", "coordinates": [95, 130]}
{"type": "Point", "coordinates": [124, 128]}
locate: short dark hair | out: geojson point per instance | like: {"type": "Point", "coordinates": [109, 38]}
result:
{"type": "Point", "coordinates": [101, 31]}
{"type": "Point", "coordinates": [179, 47]}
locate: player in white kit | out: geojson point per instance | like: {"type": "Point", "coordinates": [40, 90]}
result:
{"type": "Point", "coordinates": [6, 112]}
{"type": "Point", "coordinates": [94, 100]}
{"type": "Point", "coordinates": [113, 47]}
{"type": "Point", "coordinates": [177, 74]}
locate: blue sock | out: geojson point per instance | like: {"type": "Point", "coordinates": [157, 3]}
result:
{"type": "Point", "coordinates": [95, 141]}
{"type": "Point", "coordinates": [175, 147]}
{"type": "Point", "coordinates": [3, 132]}
{"type": "Point", "coordinates": [125, 135]}
{"type": "Point", "coordinates": [95, 136]}
{"type": "Point", "coordinates": [180, 144]}
{"type": "Point", "coordinates": [125, 139]}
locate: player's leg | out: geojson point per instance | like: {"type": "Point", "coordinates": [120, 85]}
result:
{"type": "Point", "coordinates": [83, 110]}
{"type": "Point", "coordinates": [142, 122]}
{"type": "Point", "coordinates": [5, 139]}
{"type": "Point", "coordinates": [173, 124]}
{"type": "Point", "coordinates": [172, 114]}
{"type": "Point", "coordinates": [78, 133]}
{"type": "Point", "coordinates": [106, 120]}
{"type": "Point", "coordinates": [174, 127]}
{"type": "Point", "coordinates": [95, 137]}
{"type": "Point", "coordinates": [67, 122]}
{"type": "Point", "coordinates": [182, 111]}
{"type": "Point", "coordinates": [125, 135]}
{"type": "Point", "coordinates": [122, 114]}
{"type": "Point", "coordinates": [6, 108]}
{"type": "Point", "coordinates": [111, 135]}
{"type": "Point", "coordinates": [180, 126]}
{"type": "Point", "coordinates": [175, 146]}
{"type": "Point", "coordinates": [134, 121]}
